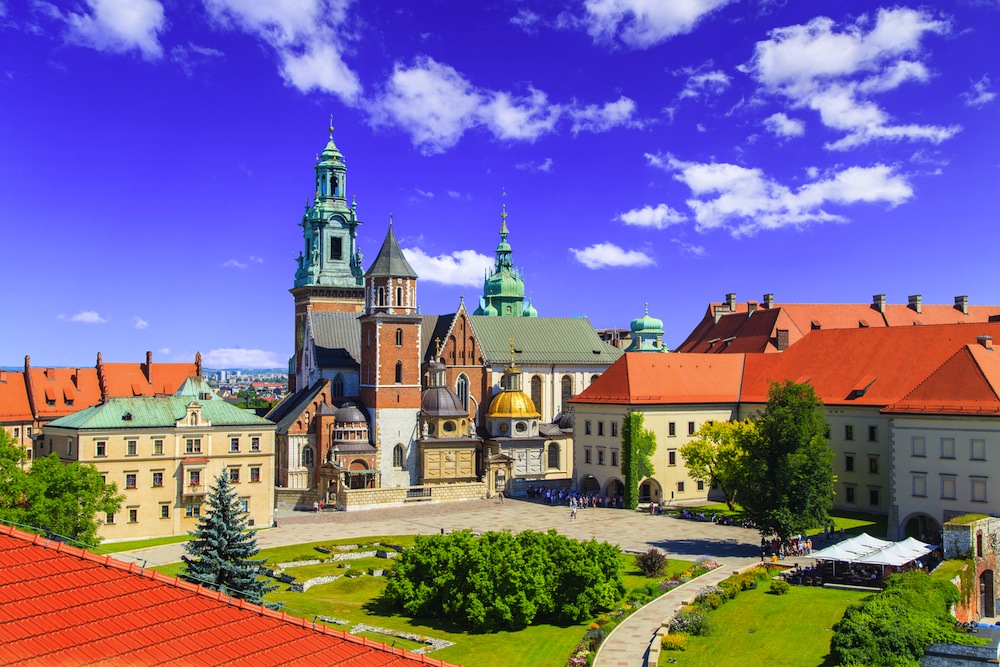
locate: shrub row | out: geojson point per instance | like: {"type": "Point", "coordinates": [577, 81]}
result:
{"type": "Point", "coordinates": [693, 619]}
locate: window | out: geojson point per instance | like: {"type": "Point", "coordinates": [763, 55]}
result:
{"type": "Point", "coordinates": [399, 296]}
{"type": "Point", "coordinates": [690, 428]}
{"type": "Point", "coordinates": [399, 338]}
{"type": "Point", "coordinates": [255, 443]}
{"type": "Point", "coordinates": [130, 480]}
{"type": "Point", "coordinates": [234, 475]}
{"type": "Point", "coordinates": [195, 477]}
{"type": "Point", "coordinates": [567, 390]}
{"type": "Point", "coordinates": [586, 456]}
{"type": "Point", "coordinates": [17, 432]}
{"type": "Point", "coordinates": [586, 427]}
{"type": "Point", "coordinates": [192, 446]}
{"type": "Point", "coordinates": [27, 431]}
{"type": "Point", "coordinates": [849, 462]}
{"type": "Point", "coordinates": [947, 487]}
{"type": "Point", "coordinates": [701, 485]}
{"type": "Point", "coordinates": [600, 457]}
{"type": "Point", "coordinates": [848, 432]}
{"type": "Point", "coordinates": [614, 457]}
{"type": "Point", "coordinates": [978, 447]}
{"type": "Point", "coordinates": [69, 447]}
{"type": "Point", "coordinates": [102, 448]}
{"type": "Point", "coordinates": [672, 429]}
{"type": "Point", "coordinates": [462, 389]}
{"type": "Point", "coordinates": [536, 392]}
{"type": "Point", "coordinates": [338, 385]}
{"type": "Point", "coordinates": [234, 444]}
{"type": "Point", "coordinates": [131, 448]}
{"type": "Point", "coordinates": [381, 297]}
{"type": "Point", "coordinates": [133, 516]}
{"type": "Point", "coordinates": [164, 511]}
{"type": "Point", "coordinates": [336, 247]}
{"type": "Point", "coordinates": [399, 372]}
{"type": "Point", "coordinates": [873, 497]}
{"type": "Point", "coordinates": [672, 457]}
{"type": "Point", "coordinates": [192, 510]}
{"type": "Point", "coordinates": [554, 456]}
{"type": "Point", "coordinates": [918, 447]}
{"type": "Point", "coordinates": [979, 489]}
{"type": "Point", "coordinates": [873, 434]}
{"type": "Point", "coordinates": [109, 519]}
{"type": "Point", "coordinates": [614, 429]}
{"type": "Point", "coordinates": [157, 479]}
{"type": "Point", "coordinates": [680, 487]}
{"type": "Point", "coordinates": [158, 446]}
{"type": "Point", "coordinates": [849, 495]}
{"type": "Point", "coordinates": [307, 457]}
{"type": "Point", "coordinates": [920, 485]}
{"type": "Point", "coordinates": [947, 448]}
{"type": "Point", "coordinates": [255, 474]}
{"type": "Point", "coordinates": [244, 505]}
{"type": "Point", "coordinates": [873, 465]}
{"type": "Point", "coordinates": [600, 428]}
{"type": "Point", "coordinates": [397, 456]}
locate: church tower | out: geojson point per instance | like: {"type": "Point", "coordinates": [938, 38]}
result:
{"type": "Point", "coordinates": [329, 275]}
{"type": "Point", "coordinates": [390, 360]}
{"type": "Point", "coordinates": [503, 288]}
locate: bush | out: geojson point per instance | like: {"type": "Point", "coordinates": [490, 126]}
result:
{"type": "Point", "coordinates": [674, 642]}
{"type": "Point", "coordinates": [713, 601]}
{"type": "Point", "coordinates": [651, 563]}
{"type": "Point", "coordinates": [692, 621]}
{"type": "Point", "coordinates": [779, 587]}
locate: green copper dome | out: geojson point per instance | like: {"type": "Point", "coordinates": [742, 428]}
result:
{"type": "Point", "coordinates": [647, 324]}
{"type": "Point", "coordinates": [647, 334]}
{"type": "Point", "coordinates": [503, 287]}
{"type": "Point", "coordinates": [529, 310]}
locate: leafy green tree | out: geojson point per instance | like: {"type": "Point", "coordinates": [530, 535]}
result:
{"type": "Point", "coordinates": [638, 445]}
{"type": "Point", "coordinates": [53, 497]}
{"type": "Point", "coordinates": [221, 555]}
{"type": "Point", "coordinates": [718, 454]}
{"type": "Point", "coordinates": [788, 485]}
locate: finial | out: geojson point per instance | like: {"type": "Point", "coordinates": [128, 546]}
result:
{"type": "Point", "coordinates": [512, 352]}
{"type": "Point", "coordinates": [317, 158]}
{"type": "Point", "coordinates": [390, 221]}
{"type": "Point", "coordinates": [437, 343]}
{"type": "Point", "coordinates": [354, 202]}
{"type": "Point", "coordinates": [647, 308]}
{"type": "Point", "coordinates": [331, 127]}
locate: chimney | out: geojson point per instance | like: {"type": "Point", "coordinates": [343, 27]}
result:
{"type": "Point", "coordinates": [769, 301]}
{"type": "Point", "coordinates": [3, 376]}
{"type": "Point", "coordinates": [914, 303]}
{"type": "Point", "coordinates": [197, 364]}
{"type": "Point", "coordinates": [731, 301]}
{"type": "Point", "coordinates": [985, 341]}
{"type": "Point", "coordinates": [962, 304]}
{"type": "Point", "coordinates": [149, 367]}
{"type": "Point", "coordinates": [782, 339]}
{"type": "Point", "coordinates": [27, 364]}
{"type": "Point", "coordinates": [751, 307]}
{"type": "Point", "coordinates": [878, 303]}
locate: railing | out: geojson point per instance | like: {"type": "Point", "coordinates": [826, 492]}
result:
{"type": "Point", "coordinates": [418, 493]}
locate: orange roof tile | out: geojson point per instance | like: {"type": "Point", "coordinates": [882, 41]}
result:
{"type": "Point", "coordinates": [14, 405]}
{"type": "Point", "coordinates": [57, 392]}
{"type": "Point", "coordinates": [967, 383]}
{"type": "Point", "coordinates": [63, 605]}
{"type": "Point", "coordinates": [125, 379]}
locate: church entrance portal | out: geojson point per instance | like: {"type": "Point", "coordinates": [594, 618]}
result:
{"type": "Point", "coordinates": [614, 489]}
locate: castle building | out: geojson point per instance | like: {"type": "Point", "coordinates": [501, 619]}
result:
{"type": "Point", "coordinates": [646, 334]}
{"type": "Point", "coordinates": [503, 287]}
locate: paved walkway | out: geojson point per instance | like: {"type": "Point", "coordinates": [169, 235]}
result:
{"type": "Point", "coordinates": [628, 644]}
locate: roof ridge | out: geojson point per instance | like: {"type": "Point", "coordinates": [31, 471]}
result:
{"type": "Point", "coordinates": [979, 367]}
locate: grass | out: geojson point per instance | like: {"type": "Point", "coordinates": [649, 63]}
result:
{"type": "Point", "coordinates": [853, 523]}
{"type": "Point", "coordinates": [633, 577]}
{"type": "Point", "coordinates": [792, 630]}
{"type": "Point", "coordinates": [118, 547]}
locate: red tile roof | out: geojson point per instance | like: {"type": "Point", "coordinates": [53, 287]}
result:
{"type": "Point", "coordinates": [130, 379]}
{"type": "Point", "coordinates": [14, 405]}
{"type": "Point", "coordinates": [639, 378]}
{"type": "Point", "coordinates": [60, 605]}
{"type": "Point", "coordinates": [57, 392]}
{"type": "Point", "coordinates": [967, 383]}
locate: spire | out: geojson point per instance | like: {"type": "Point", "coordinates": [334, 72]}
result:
{"type": "Point", "coordinates": [503, 217]}
{"type": "Point", "coordinates": [390, 260]}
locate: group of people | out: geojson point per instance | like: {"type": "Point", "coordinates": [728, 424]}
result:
{"type": "Point", "coordinates": [574, 498]}
{"type": "Point", "coordinates": [798, 545]}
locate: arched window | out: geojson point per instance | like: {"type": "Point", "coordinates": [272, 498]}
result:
{"type": "Point", "coordinates": [381, 297]}
{"type": "Point", "coordinates": [553, 455]}
{"type": "Point", "coordinates": [338, 385]}
{"type": "Point", "coordinates": [463, 390]}
{"type": "Point", "coordinates": [399, 372]}
{"type": "Point", "coordinates": [397, 457]}
{"type": "Point", "coordinates": [399, 338]}
{"type": "Point", "coordinates": [567, 390]}
{"type": "Point", "coordinates": [307, 457]}
{"type": "Point", "coordinates": [536, 392]}
{"type": "Point", "coordinates": [593, 378]}
{"type": "Point", "coordinates": [399, 296]}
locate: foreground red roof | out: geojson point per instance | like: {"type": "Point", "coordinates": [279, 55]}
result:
{"type": "Point", "coordinates": [60, 605]}
{"type": "Point", "coordinates": [968, 383]}
{"type": "Point", "coordinates": [639, 378]}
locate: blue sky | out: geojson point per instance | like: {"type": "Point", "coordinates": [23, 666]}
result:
{"type": "Point", "coordinates": [157, 154]}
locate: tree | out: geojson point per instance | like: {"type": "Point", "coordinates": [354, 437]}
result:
{"type": "Point", "coordinates": [221, 555]}
{"type": "Point", "coordinates": [638, 445]}
{"type": "Point", "coordinates": [718, 454]}
{"type": "Point", "coordinates": [53, 497]}
{"type": "Point", "coordinates": [788, 485]}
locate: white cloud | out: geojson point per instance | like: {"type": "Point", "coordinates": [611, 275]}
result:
{"type": "Point", "coordinates": [87, 317]}
{"type": "Point", "coordinates": [834, 71]}
{"type": "Point", "coordinates": [690, 249]}
{"type": "Point", "coordinates": [603, 255]}
{"type": "Point", "coordinates": [436, 105]}
{"type": "Point", "coordinates": [545, 165]}
{"type": "Point", "coordinates": [660, 217]}
{"type": "Point", "coordinates": [238, 357]}
{"type": "Point", "coordinates": [701, 83]}
{"type": "Point", "coordinates": [980, 94]}
{"type": "Point", "coordinates": [118, 26]}
{"type": "Point", "coordinates": [462, 267]}
{"type": "Point", "coordinates": [643, 23]}
{"type": "Point", "coordinates": [307, 35]}
{"type": "Point", "coordinates": [233, 264]}
{"type": "Point", "coordinates": [781, 125]}
{"type": "Point", "coordinates": [526, 20]}
{"type": "Point", "coordinates": [139, 322]}
{"type": "Point", "coordinates": [745, 201]}
{"type": "Point", "coordinates": [256, 260]}
{"type": "Point", "coordinates": [594, 118]}
{"type": "Point", "coordinates": [164, 350]}
{"type": "Point", "coordinates": [191, 56]}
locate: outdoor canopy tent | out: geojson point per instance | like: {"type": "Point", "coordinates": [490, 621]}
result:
{"type": "Point", "coordinates": [872, 551]}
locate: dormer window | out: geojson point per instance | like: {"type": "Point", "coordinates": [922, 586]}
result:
{"type": "Point", "coordinates": [127, 417]}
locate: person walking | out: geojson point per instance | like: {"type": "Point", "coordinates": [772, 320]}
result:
{"type": "Point", "coordinates": [500, 498]}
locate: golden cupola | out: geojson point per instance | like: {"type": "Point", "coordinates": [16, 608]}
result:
{"type": "Point", "coordinates": [512, 413]}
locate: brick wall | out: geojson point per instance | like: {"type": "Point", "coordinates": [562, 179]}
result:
{"type": "Point", "coordinates": [355, 499]}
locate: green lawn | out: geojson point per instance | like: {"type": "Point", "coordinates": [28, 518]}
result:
{"type": "Point", "coordinates": [118, 547]}
{"type": "Point", "coordinates": [792, 630]}
{"type": "Point", "coordinates": [853, 523]}
{"type": "Point", "coordinates": [633, 577]}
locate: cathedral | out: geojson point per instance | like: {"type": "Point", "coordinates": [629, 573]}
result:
{"type": "Point", "coordinates": [389, 404]}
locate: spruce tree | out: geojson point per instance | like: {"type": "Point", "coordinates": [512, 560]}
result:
{"type": "Point", "coordinates": [221, 555]}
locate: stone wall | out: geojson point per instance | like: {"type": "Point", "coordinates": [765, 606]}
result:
{"type": "Point", "coordinates": [959, 655]}
{"type": "Point", "coordinates": [981, 540]}
{"type": "Point", "coordinates": [355, 499]}
{"type": "Point", "coordinates": [290, 499]}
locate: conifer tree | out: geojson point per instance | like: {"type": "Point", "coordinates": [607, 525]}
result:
{"type": "Point", "coordinates": [221, 555]}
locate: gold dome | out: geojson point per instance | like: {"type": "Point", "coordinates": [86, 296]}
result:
{"type": "Point", "coordinates": [512, 404]}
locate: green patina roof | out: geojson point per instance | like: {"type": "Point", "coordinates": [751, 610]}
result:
{"type": "Point", "coordinates": [163, 411]}
{"type": "Point", "coordinates": [542, 340]}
